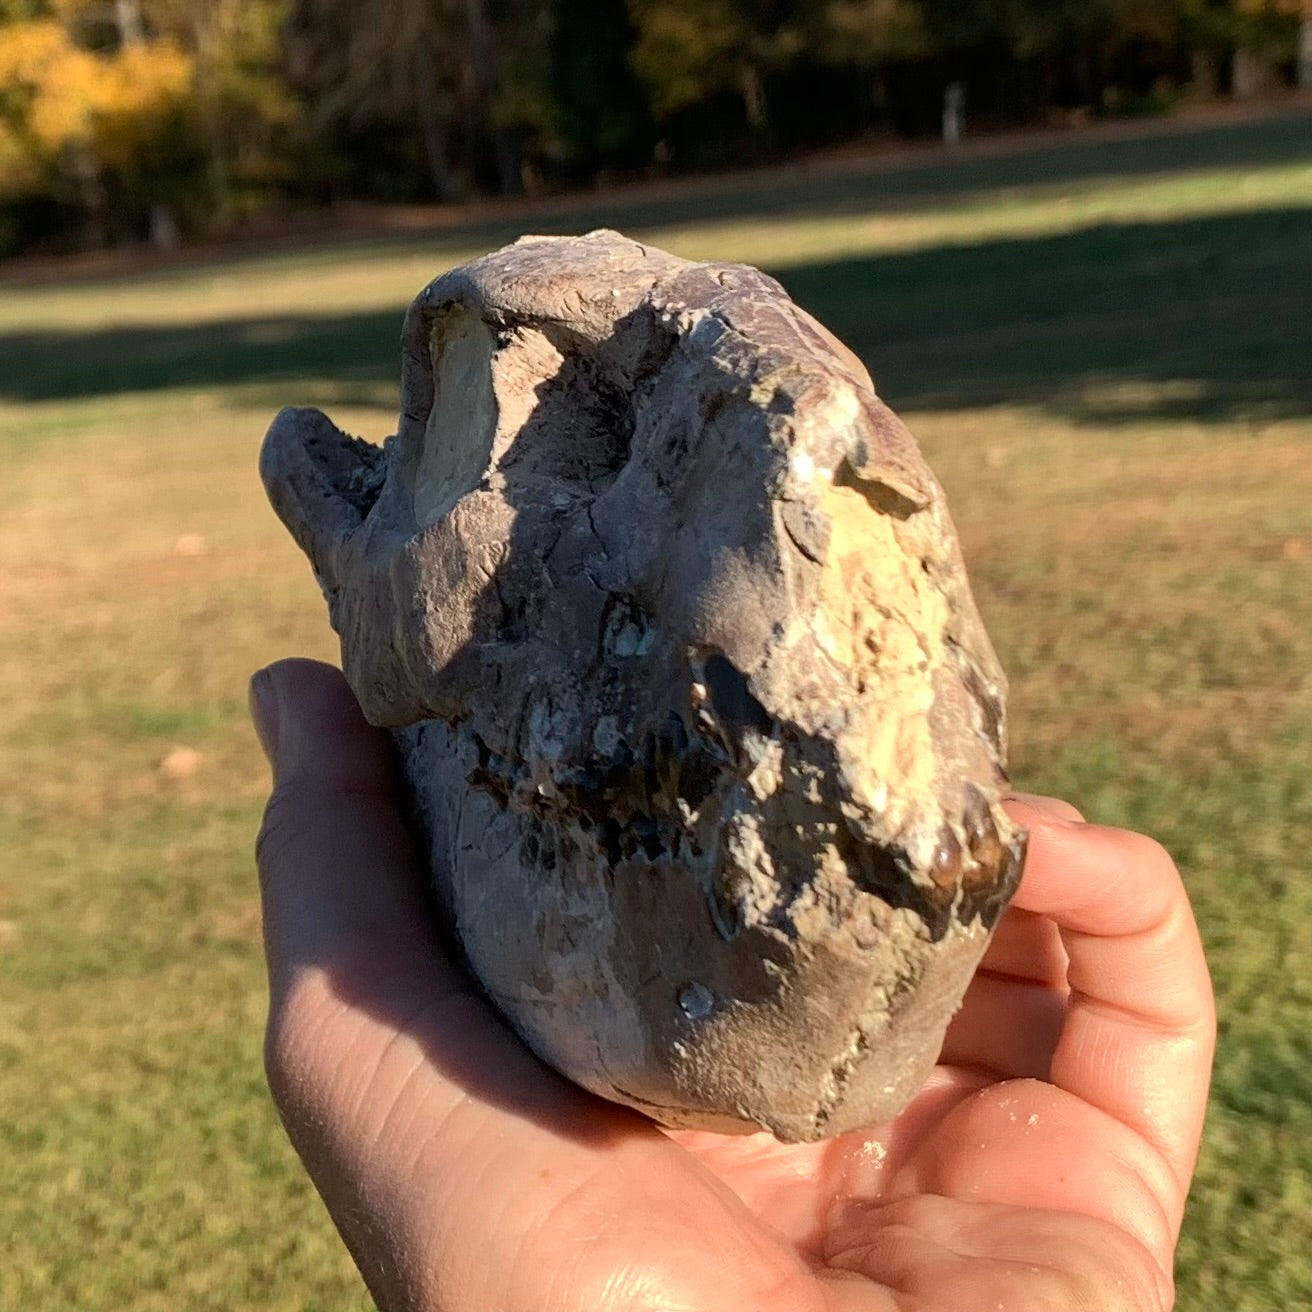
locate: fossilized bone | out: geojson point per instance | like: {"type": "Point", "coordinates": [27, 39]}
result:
{"type": "Point", "coordinates": [704, 735]}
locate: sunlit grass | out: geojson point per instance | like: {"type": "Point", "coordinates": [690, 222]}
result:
{"type": "Point", "coordinates": [1139, 534]}
{"type": "Point", "coordinates": [790, 221]}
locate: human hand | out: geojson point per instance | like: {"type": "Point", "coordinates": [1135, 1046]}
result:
{"type": "Point", "coordinates": [1044, 1166]}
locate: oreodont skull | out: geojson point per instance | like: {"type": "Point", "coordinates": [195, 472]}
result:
{"type": "Point", "coordinates": [704, 735]}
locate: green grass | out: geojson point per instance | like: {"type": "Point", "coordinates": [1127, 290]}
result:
{"type": "Point", "coordinates": [1106, 351]}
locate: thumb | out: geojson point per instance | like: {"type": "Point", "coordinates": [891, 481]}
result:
{"type": "Point", "coordinates": [461, 1173]}
{"type": "Point", "coordinates": [338, 879]}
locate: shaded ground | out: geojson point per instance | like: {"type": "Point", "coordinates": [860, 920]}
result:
{"type": "Point", "coordinates": [1205, 318]}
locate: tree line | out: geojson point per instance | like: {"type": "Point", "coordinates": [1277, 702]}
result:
{"type": "Point", "coordinates": [127, 119]}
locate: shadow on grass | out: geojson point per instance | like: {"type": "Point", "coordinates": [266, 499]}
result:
{"type": "Point", "coordinates": [865, 188]}
{"type": "Point", "coordinates": [1200, 319]}
{"type": "Point", "coordinates": [1203, 319]}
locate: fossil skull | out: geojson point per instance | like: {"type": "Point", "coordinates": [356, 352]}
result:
{"type": "Point", "coordinates": [704, 736]}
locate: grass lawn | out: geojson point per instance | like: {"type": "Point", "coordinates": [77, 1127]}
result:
{"type": "Point", "coordinates": [1106, 351]}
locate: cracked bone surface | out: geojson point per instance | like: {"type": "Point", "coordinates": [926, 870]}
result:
{"type": "Point", "coordinates": [704, 737]}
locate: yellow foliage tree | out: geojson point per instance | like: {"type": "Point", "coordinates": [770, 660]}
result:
{"type": "Point", "coordinates": [76, 113]}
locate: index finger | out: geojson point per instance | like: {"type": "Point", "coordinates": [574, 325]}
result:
{"type": "Point", "coordinates": [1140, 1026]}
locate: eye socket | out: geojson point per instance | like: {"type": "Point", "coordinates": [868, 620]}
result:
{"type": "Point", "coordinates": [462, 423]}
{"type": "Point", "coordinates": [732, 701]}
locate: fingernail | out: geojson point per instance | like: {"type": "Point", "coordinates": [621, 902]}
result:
{"type": "Point", "coordinates": [264, 713]}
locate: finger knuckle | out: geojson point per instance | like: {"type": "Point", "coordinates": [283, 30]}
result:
{"type": "Point", "coordinates": [1152, 853]}
{"type": "Point", "coordinates": [277, 1063]}
{"type": "Point", "coordinates": [296, 1017]}
{"type": "Point", "coordinates": [1140, 853]}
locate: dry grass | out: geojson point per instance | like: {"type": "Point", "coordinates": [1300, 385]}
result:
{"type": "Point", "coordinates": [1139, 526]}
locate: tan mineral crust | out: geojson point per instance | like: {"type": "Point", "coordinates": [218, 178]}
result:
{"type": "Point", "coordinates": [703, 734]}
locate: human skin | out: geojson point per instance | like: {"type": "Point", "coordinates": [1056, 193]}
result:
{"type": "Point", "coordinates": [1045, 1165]}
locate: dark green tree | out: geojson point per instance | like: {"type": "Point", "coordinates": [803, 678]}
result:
{"type": "Point", "coordinates": [688, 50]}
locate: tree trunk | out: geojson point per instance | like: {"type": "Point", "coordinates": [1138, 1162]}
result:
{"type": "Point", "coordinates": [204, 19]}
{"type": "Point", "coordinates": [480, 46]}
{"type": "Point", "coordinates": [1250, 74]}
{"type": "Point", "coordinates": [127, 15]}
{"type": "Point", "coordinates": [84, 169]}
{"type": "Point", "coordinates": [1203, 73]}
{"type": "Point", "coordinates": [430, 125]}
{"type": "Point", "coordinates": [479, 89]}
{"type": "Point", "coordinates": [510, 163]}
{"type": "Point", "coordinates": [753, 98]}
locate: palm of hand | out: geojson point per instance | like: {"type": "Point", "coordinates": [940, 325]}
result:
{"type": "Point", "coordinates": [995, 1189]}
{"type": "Point", "coordinates": [1044, 1166]}
{"type": "Point", "coordinates": [985, 1194]}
